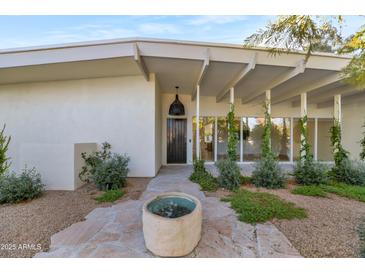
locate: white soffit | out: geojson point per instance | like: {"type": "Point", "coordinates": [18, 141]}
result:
{"type": "Point", "coordinates": [70, 71]}
{"type": "Point", "coordinates": [174, 72]}
{"type": "Point", "coordinates": [218, 75]}
{"type": "Point", "coordinates": [259, 78]}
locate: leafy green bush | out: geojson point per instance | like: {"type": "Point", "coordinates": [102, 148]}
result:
{"type": "Point", "coordinates": [25, 186]}
{"type": "Point", "coordinates": [110, 196]}
{"type": "Point", "coordinates": [309, 172]}
{"type": "Point", "coordinates": [111, 173]}
{"type": "Point", "coordinates": [202, 177]}
{"type": "Point", "coordinates": [229, 174]}
{"type": "Point", "coordinates": [199, 171]}
{"type": "Point", "coordinates": [93, 160]}
{"type": "Point", "coordinates": [259, 207]}
{"type": "Point", "coordinates": [349, 172]}
{"type": "Point", "coordinates": [4, 144]}
{"type": "Point", "coordinates": [310, 190]}
{"type": "Point", "coordinates": [268, 173]}
{"type": "Point", "coordinates": [208, 183]}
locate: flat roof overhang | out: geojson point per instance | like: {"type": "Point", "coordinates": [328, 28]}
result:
{"type": "Point", "coordinates": [215, 67]}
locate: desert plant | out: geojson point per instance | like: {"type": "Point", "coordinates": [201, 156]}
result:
{"type": "Point", "coordinates": [267, 172]}
{"type": "Point", "coordinates": [208, 183]}
{"type": "Point", "coordinates": [111, 173]}
{"type": "Point", "coordinates": [229, 174]}
{"type": "Point", "coordinates": [25, 186]}
{"type": "Point", "coordinates": [4, 144]}
{"type": "Point", "coordinates": [93, 160]}
{"type": "Point", "coordinates": [309, 172]}
{"type": "Point", "coordinates": [350, 172]}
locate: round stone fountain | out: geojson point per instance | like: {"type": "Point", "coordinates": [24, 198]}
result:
{"type": "Point", "coordinates": [172, 224]}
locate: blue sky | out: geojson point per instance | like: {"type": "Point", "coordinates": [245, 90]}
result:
{"type": "Point", "coordinates": [22, 31]}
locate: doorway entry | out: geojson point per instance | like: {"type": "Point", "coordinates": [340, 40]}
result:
{"type": "Point", "coordinates": [176, 141]}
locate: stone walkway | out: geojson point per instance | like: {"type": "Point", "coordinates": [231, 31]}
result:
{"type": "Point", "coordinates": [117, 231]}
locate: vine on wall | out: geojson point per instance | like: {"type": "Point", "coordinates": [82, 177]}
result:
{"type": "Point", "coordinates": [339, 153]}
{"type": "Point", "coordinates": [362, 144]}
{"type": "Point", "coordinates": [305, 153]}
{"type": "Point", "coordinates": [4, 144]}
{"type": "Point", "coordinates": [232, 135]}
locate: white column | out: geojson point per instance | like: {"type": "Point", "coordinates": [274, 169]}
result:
{"type": "Point", "coordinates": [215, 139]}
{"type": "Point", "coordinates": [337, 112]}
{"type": "Point", "coordinates": [303, 112]}
{"type": "Point", "coordinates": [268, 100]}
{"type": "Point", "coordinates": [231, 95]}
{"type": "Point", "coordinates": [316, 139]}
{"type": "Point", "coordinates": [197, 122]}
{"type": "Point", "coordinates": [291, 139]}
{"type": "Point", "coordinates": [241, 139]}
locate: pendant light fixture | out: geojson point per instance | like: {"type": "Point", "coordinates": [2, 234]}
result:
{"type": "Point", "coordinates": [177, 108]}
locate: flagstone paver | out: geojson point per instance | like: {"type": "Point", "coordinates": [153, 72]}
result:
{"type": "Point", "coordinates": [116, 231]}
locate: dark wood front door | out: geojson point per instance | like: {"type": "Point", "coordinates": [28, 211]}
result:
{"type": "Point", "coordinates": [176, 141]}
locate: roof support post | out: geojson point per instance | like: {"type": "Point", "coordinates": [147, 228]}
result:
{"type": "Point", "coordinates": [303, 113]}
{"type": "Point", "coordinates": [268, 100]}
{"type": "Point", "coordinates": [231, 96]}
{"type": "Point", "coordinates": [197, 139]}
{"type": "Point", "coordinates": [337, 108]}
{"type": "Point", "coordinates": [202, 73]}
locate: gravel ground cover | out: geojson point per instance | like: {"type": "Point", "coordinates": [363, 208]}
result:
{"type": "Point", "coordinates": [330, 230]}
{"type": "Point", "coordinates": [26, 228]}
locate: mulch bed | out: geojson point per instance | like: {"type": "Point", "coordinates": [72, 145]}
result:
{"type": "Point", "coordinates": [26, 228]}
{"type": "Point", "coordinates": [330, 229]}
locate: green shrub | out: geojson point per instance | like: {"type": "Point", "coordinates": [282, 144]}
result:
{"type": "Point", "coordinates": [345, 190]}
{"type": "Point", "coordinates": [259, 207]}
{"type": "Point", "coordinates": [309, 190]}
{"type": "Point", "coordinates": [199, 171]}
{"type": "Point", "coordinates": [268, 173]}
{"type": "Point", "coordinates": [111, 173]}
{"type": "Point", "coordinates": [4, 144]}
{"type": "Point", "coordinates": [202, 177]}
{"type": "Point", "coordinates": [208, 183]}
{"type": "Point", "coordinates": [309, 172]}
{"type": "Point", "coordinates": [229, 174]}
{"type": "Point", "coordinates": [110, 196]}
{"type": "Point", "coordinates": [245, 179]}
{"type": "Point", "coordinates": [25, 186]}
{"type": "Point", "coordinates": [93, 160]}
{"type": "Point", "coordinates": [349, 172]}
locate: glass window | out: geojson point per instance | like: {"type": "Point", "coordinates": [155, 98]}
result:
{"type": "Point", "coordinates": [280, 138]}
{"type": "Point", "coordinates": [296, 137]}
{"type": "Point", "coordinates": [252, 131]}
{"type": "Point", "coordinates": [324, 149]}
{"type": "Point", "coordinates": [206, 126]}
{"type": "Point", "coordinates": [222, 138]}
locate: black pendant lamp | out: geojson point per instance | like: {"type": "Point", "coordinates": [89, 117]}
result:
{"type": "Point", "coordinates": [177, 108]}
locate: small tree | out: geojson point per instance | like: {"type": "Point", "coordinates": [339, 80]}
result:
{"type": "Point", "coordinates": [232, 135]}
{"type": "Point", "coordinates": [4, 144]}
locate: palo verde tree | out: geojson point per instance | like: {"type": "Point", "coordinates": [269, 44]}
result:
{"type": "Point", "coordinates": [314, 33]}
{"type": "Point", "coordinates": [4, 144]}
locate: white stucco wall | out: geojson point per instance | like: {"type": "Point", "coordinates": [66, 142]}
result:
{"type": "Point", "coordinates": [119, 110]}
{"type": "Point", "coordinates": [353, 118]}
{"type": "Point", "coordinates": [158, 127]}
